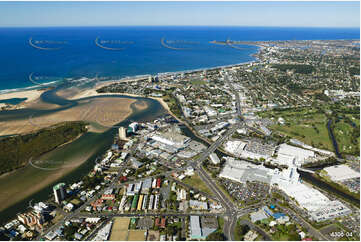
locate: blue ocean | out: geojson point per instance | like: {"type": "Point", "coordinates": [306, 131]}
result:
{"type": "Point", "coordinates": [52, 54]}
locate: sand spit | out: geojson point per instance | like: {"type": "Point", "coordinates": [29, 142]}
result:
{"type": "Point", "coordinates": [102, 110]}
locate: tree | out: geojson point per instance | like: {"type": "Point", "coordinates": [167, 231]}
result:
{"type": "Point", "coordinates": [216, 236]}
{"type": "Point", "coordinates": [171, 230]}
{"type": "Point", "coordinates": [242, 229]}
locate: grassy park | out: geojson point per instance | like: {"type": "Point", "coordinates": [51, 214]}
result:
{"type": "Point", "coordinates": [196, 182]}
{"type": "Point", "coordinates": [307, 125]}
{"type": "Point", "coordinates": [346, 131]}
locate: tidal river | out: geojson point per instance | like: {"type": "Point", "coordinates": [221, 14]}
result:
{"type": "Point", "coordinates": [29, 184]}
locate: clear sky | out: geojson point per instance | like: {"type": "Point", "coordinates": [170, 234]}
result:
{"type": "Point", "coordinates": [298, 14]}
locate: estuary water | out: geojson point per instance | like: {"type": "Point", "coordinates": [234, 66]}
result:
{"type": "Point", "coordinates": [89, 145]}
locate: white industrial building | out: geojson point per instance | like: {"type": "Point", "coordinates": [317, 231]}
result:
{"type": "Point", "coordinates": [171, 138]}
{"type": "Point", "coordinates": [219, 126]}
{"type": "Point", "coordinates": [214, 158]}
{"type": "Point", "coordinates": [235, 147]}
{"type": "Point", "coordinates": [312, 200]}
{"type": "Point", "coordinates": [333, 209]}
{"type": "Point", "coordinates": [283, 159]}
{"type": "Point", "coordinates": [252, 155]}
{"type": "Point", "coordinates": [241, 171]}
{"type": "Point", "coordinates": [195, 227]}
{"type": "Point", "coordinates": [341, 172]}
{"type": "Point", "coordinates": [286, 152]}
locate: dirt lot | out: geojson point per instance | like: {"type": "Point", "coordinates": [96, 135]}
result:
{"type": "Point", "coordinates": [153, 235]}
{"type": "Point", "coordinates": [120, 229]}
{"type": "Point", "coordinates": [136, 235]}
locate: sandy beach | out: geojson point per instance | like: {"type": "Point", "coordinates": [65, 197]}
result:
{"type": "Point", "coordinates": [105, 111]}
{"type": "Point", "coordinates": [75, 93]}
{"type": "Point", "coordinates": [93, 93]}
{"type": "Point", "coordinates": [31, 95]}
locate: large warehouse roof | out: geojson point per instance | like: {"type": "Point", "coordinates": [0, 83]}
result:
{"type": "Point", "coordinates": [299, 153]}
{"type": "Point", "coordinates": [341, 172]}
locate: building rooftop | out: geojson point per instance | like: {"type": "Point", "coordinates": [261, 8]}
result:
{"type": "Point", "coordinates": [195, 227]}
{"type": "Point", "coordinates": [300, 154]}
{"type": "Point", "coordinates": [341, 172]}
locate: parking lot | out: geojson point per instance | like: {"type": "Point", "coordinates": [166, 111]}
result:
{"type": "Point", "coordinates": [246, 193]}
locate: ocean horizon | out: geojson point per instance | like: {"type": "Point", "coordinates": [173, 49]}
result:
{"type": "Point", "coordinates": [52, 54]}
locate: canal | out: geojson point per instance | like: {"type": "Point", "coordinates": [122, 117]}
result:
{"type": "Point", "coordinates": [308, 177]}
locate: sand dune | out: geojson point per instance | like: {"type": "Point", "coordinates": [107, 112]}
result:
{"type": "Point", "coordinates": [105, 111]}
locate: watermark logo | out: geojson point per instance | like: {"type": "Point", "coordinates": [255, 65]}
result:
{"type": "Point", "coordinates": [40, 122]}
{"type": "Point", "coordinates": [49, 165]}
{"type": "Point", "coordinates": [42, 81]}
{"type": "Point", "coordinates": [178, 44]}
{"type": "Point", "coordinates": [115, 45]}
{"type": "Point", "coordinates": [47, 44]}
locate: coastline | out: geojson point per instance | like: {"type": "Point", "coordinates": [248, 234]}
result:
{"type": "Point", "coordinates": [32, 90]}
{"type": "Point", "coordinates": [33, 95]}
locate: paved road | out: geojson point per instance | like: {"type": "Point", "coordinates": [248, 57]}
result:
{"type": "Point", "coordinates": [252, 226]}
{"type": "Point", "coordinates": [150, 214]}
{"type": "Point", "coordinates": [238, 105]}
{"type": "Point", "coordinates": [231, 210]}
{"type": "Point", "coordinates": [314, 232]}
{"type": "Point", "coordinates": [196, 163]}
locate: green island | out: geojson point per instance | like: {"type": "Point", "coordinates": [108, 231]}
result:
{"type": "Point", "coordinates": [15, 151]}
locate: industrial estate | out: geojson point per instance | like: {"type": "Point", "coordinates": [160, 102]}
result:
{"type": "Point", "coordinates": [267, 150]}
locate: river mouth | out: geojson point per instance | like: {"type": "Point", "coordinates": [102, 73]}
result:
{"type": "Point", "coordinates": [74, 160]}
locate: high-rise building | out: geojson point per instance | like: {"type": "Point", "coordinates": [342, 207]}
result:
{"type": "Point", "coordinates": [59, 192]}
{"type": "Point", "coordinates": [122, 133]}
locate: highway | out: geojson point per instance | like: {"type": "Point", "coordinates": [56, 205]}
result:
{"type": "Point", "coordinates": [238, 105]}
{"type": "Point", "coordinates": [232, 212]}
{"type": "Point", "coordinates": [150, 214]}
{"type": "Point", "coordinates": [214, 146]}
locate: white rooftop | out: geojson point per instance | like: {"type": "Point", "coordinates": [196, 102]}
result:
{"type": "Point", "coordinates": [299, 153]}
{"type": "Point", "coordinates": [341, 172]}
